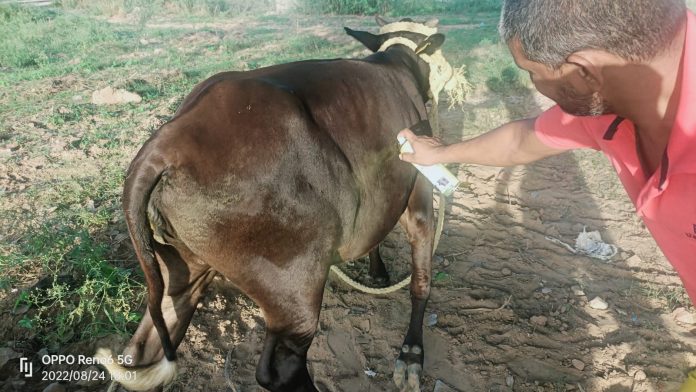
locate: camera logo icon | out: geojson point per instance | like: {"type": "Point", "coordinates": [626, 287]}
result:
{"type": "Point", "coordinates": [26, 367]}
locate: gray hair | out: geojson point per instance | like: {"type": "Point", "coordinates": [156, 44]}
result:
{"type": "Point", "coordinates": [551, 30]}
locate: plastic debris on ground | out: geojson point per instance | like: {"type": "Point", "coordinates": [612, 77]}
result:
{"type": "Point", "coordinates": [589, 244]}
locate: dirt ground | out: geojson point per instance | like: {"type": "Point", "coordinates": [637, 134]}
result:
{"type": "Point", "coordinates": [508, 310]}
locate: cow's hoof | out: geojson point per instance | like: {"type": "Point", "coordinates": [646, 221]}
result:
{"type": "Point", "coordinates": [409, 368]}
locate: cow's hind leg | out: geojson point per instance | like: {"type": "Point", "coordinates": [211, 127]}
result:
{"type": "Point", "coordinates": [283, 362]}
{"type": "Point", "coordinates": [418, 223]}
{"type": "Point", "coordinates": [290, 300]}
{"type": "Point", "coordinates": [184, 283]}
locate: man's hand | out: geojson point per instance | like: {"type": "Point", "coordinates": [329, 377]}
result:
{"type": "Point", "coordinates": [425, 149]}
{"type": "Point", "coordinates": [511, 144]}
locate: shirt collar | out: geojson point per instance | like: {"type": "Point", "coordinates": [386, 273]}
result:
{"type": "Point", "coordinates": [613, 127]}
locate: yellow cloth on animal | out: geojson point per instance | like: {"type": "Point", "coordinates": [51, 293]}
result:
{"type": "Point", "coordinates": [689, 384]}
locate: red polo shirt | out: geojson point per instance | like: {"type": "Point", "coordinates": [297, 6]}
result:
{"type": "Point", "coordinates": [667, 200]}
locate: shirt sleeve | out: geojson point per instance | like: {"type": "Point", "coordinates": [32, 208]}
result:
{"type": "Point", "coordinates": [563, 131]}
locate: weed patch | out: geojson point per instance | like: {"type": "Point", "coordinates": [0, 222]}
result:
{"type": "Point", "coordinates": [84, 292]}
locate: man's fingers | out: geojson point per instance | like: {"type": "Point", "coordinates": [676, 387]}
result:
{"type": "Point", "coordinates": [406, 156]}
{"type": "Point", "coordinates": [407, 134]}
{"type": "Point", "coordinates": [410, 137]}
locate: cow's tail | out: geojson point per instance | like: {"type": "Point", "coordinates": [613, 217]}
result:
{"type": "Point", "coordinates": [143, 175]}
{"type": "Point", "coordinates": [137, 378]}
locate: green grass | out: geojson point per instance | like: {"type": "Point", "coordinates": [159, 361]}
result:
{"type": "Point", "coordinates": [47, 43]}
{"type": "Point", "coordinates": [62, 237]}
{"type": "Point", "coordinates": [98, 297]}
{"type": "Point", "coordinates": [150, 7]}
{"type": "Point", "coordinates": [668, 297]}
{"type": "Point", "coordinates": [482, 53]}
{"type": "Point", "coordinates": [85, 293]}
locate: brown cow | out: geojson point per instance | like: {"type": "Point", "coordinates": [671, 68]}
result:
{"type": "Point", "coordinates": [269, 177]}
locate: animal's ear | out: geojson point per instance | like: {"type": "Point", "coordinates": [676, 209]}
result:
{"type": "Point", "coordinates": [381, 21]}
{"type": "Point", "coordinates": [432, 22]}
{"type": "Point", "coordinates": [371, 41]}
{"type": "Point", "coordinates": [430, 44]}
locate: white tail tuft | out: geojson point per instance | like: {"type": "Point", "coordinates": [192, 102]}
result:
{"type": "Point", "coordinates": [137, 378]}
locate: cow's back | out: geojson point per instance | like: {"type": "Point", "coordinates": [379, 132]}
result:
{"type": "Point", "coordinates": [360, 106]}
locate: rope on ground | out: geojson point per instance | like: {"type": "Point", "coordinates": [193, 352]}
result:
{"type": "Point", "coordinates": [366, 289]}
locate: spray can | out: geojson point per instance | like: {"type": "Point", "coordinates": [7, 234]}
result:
{"type": "Point", "coordinates": [438, 175]}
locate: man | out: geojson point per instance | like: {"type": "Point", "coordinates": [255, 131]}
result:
{"type": "Point", "coordinates": [623, 74]}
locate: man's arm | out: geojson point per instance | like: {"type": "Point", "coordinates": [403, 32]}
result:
{"type": "Point", "coordinates": [512, 144]}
